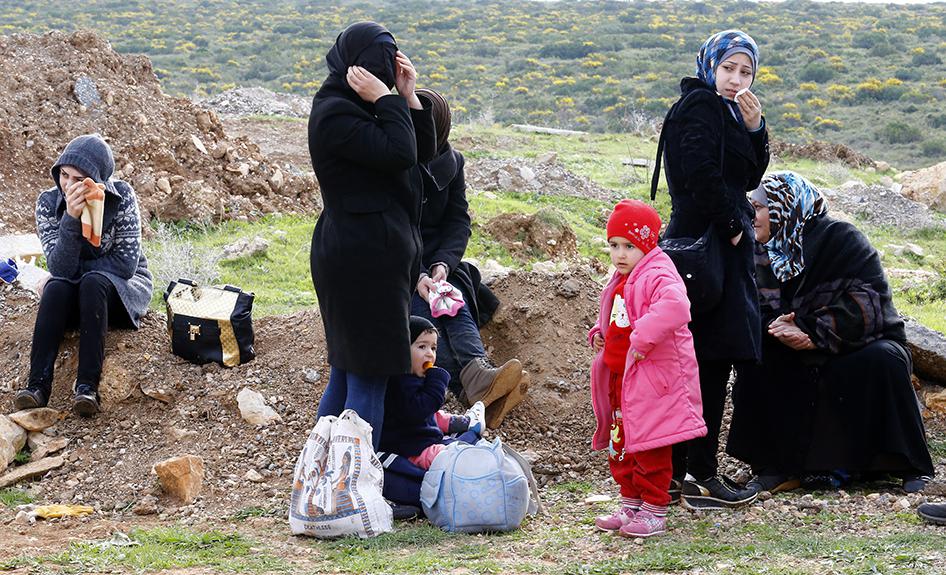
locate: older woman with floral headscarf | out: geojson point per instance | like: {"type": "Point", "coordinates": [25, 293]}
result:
{"type": "Point", "coordinates": [717, 150]}
{"type": "Point", "coordinates": [833, 395]}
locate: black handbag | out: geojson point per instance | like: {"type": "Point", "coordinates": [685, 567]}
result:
{"type": "Point", "coordinates": [210, 323]}
{"type": "Point", "coordinates": [699, 261]}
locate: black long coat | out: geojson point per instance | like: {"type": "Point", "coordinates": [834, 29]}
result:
{"type": "Point", "coordinates": [366, 247]}
{"type": "Point", "coordinates": [703, 195]}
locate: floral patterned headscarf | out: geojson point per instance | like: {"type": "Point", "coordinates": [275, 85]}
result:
{"type": "Point", "coordinates": [792, 202]}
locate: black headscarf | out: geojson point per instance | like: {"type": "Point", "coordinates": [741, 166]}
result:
{"type": "Point", "coordinates": [364, 44]}
{"type": "Point", "coordinates": [441, 113]}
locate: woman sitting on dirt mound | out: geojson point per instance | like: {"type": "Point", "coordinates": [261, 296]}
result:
{"type": "Point", "coordinates": [833, 396]}
{"type": "Point", "coordinates": [445, 227]}
{"type": "Point", "coordinates": [90, 229]}
{"type": "Point", "coordinates": [365, 144]}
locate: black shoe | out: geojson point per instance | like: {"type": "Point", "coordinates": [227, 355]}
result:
{"type": "Point", "coordinates": [713, 493]}
{"type": "Point", "coordinates": [773, 483]}
{"type": "Point", "coordinates": [934, 513]}
{"type": "Point", "coordinates": [86, 401]}
{"type": "Point", "coordinates": [674, 492]}
{"type": "Point", "coordinates": [404, 512]}
{"type": "Point", "coordinates": [31, 398]}
{"type": "Point", "coordinates": [915, 483]}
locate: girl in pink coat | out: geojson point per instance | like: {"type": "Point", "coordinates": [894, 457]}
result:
{"type": "Point", "coordinates": [644, 380]}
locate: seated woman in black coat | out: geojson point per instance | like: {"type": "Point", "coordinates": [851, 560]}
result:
{"type": "Point", "coordinates": [445, 229]}
{"type": "Point", "coordinates": [833, 393]}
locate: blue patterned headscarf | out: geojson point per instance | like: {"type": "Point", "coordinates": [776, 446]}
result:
{"type": "Point", "coordinates": [792, 202]}
{"type": "Point", "coordinates": [720, 46]}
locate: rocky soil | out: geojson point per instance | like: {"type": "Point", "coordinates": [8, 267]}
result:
{"type": "Point", "coordinates": [177, 155]}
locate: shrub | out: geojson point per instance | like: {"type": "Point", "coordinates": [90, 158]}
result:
{"type": "Point", "coordinates": [926, 59]}
{"type": "Point", "coordinates": [901, 133]}
{"type": "Point", "coordinates": [819, 72]}
{"type": "Point", "coordinates": [934, 148]}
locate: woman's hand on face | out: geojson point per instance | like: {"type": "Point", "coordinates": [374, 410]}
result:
{"type": "Point", "coordinates": [597, 342]}
{"type": "Point", "coordinates": [406, 80]}
{"type": "Point", "coordinates": [75, 199]}
{"type": "Point", "coordinates": [424, 286]}
{"type": "Point", "coordinates": [368, 87]}
{"type": "Point", "coordinates": [751, 110]}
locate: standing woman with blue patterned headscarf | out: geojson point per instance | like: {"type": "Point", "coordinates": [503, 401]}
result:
{"type": "Point", "coordinates": [717, 150]}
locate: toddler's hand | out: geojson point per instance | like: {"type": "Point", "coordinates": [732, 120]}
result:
{"type": "Point", "coordinates": [597, 342]}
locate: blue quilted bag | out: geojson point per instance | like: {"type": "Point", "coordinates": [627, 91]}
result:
{"type": "Point", "coordinates": [478, 488]}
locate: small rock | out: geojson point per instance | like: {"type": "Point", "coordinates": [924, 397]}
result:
{"type": "Point", "coordinates": [253, 408]}
{"type": "Point", "coordinates": [547, 158]}
{"type": "Point", "coordinates": [36, 419]}
{"type": "Point", "coordinates": [199, 145]}
{"type": "Point", "coordinates": [311, 375]}
{"type": "Point", "coordinates": [254, 476]}
{"type": "Point", "coordinates": [276, 180]}
{"type": "Point", "coordinates": [86, 92]}
{"type": "Point", "coordinates": [12, 440]}
{"type": "Point", "coordinates": [181, 477]}
{"type": "Point", "coordinates": [526, 173]}
{"type": "Point", "coordinates": [904, 503]}
{"type": "Point", "coordinates": [244, 248]}
{"type": "Point", "coordinates": [597, 498]}
{"type": "Point", "coordinates": [42, 445]}
{"type": "Point", "coordinates": [147, 505]}
{"type": "Point", "coordinates": [570, 288]}
{"type": "Point", "coordinates": [30, 470]}
{"type": "Point", "coordinates": [164, 185]}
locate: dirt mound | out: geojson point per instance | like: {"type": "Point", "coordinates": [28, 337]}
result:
{"type": "Point", "coordinates": [176, 155]}
{"type": "Point", "coordinates": [258, 101]}
{"type": "Point", "coordinates": [543, 321]}
{"type": "Point", "coordinates": [822, 152]}
{"type": "Point", "coordinates": [542, 235]}
{"type": "Point", "coordinates": [542, 176]}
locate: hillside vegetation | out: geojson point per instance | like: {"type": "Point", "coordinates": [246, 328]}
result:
{"type": "Point", "coordinates": [865, 75]}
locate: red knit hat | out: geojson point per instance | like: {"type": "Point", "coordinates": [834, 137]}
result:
{"type": "Point", "coordinates": [636, 222]}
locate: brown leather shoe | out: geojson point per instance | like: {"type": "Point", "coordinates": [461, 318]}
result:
{"type": "Point", "coordinates": [497, 411]}
{"type": "Point", "coordinates": [483, 382]}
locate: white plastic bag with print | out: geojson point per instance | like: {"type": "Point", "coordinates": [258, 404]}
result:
{"type": "Point", "coordinates": [336, 489]}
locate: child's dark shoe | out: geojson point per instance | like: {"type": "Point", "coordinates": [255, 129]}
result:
{"type": "Point", "coordinates": [86, 401]}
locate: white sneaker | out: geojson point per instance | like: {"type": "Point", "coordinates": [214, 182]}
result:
{"type": "Point", "coordinates": [477, 415]}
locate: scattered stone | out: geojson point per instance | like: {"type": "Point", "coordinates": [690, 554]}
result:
{"type": "Point", "coordinates": [311, 375]}
{"type": "Point", "coordinates": [258, 102]}
{"type": "Point", "coordinates": [30, 470]}
{"type": "Point", "coordinates": [253, 408]}
{"type": "Point", "coordinates": [116, 383]}
{"type": "Point", "coordinates": [547, 158]}
{"type": "Point", "coordinates": [147, 505]}
{"type": "Point", "coordinates": [86, 92]}
{"type": "Point", "coordinates": [179, 434]}
{"type": "Point", "coordinates": [926, 186]}
{"type": "Point", "coordinates": [253, 476]}
{"type": "Point", "coordinates": [42, 445]}
{"type": "Point", "coordinates": [276, 180]}
{"type": "Point", "coordinates": [181, 477]}
{"type": "Point", "coordinates": [199, 145]}
{"type": "Point", "coordinates": [36, 419]}
{"type": "Point", "coordinates": [878, 205]}
{"type": "Point", "coordinates": [597, 498]}
{"type": "Point", "coordinates": [929, 351]}
{"type": "Point", "coordinates": [12, 439]}
{"type": "Point", "coordinates": [570, 288]}
{"type": "Point", "coordinates": [244, 248]}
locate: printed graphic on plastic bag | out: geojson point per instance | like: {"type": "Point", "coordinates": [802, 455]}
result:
{"type": "Point", "coordinates": [338, 482]}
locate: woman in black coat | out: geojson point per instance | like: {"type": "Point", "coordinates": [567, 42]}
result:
{"type": "Point", "coordinates": [716, 151]}
{"type": "Point", "coordinates": [833, 394]}
{"type": "Point", "coordinates": [365, 144]}
{"type": "Point", "coordinates": [445, 229]}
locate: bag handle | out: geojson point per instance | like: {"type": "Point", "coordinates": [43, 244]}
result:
{"type": "Point", "coordinates": [655, 179]}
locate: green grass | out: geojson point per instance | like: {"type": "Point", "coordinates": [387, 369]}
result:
{"type": "Point", "coordinates": [280, 279]}
{"type": "Point", "coordinates": [11, 497]}
{"type": "Point", "coordinates": [169, 548]}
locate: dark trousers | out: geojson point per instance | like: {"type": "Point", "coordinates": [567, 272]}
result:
{"type": "Point", "coordinates": [698, 456]}
{"type": "Point", "coordinates": [91, 304]}
{"type": "Point", "coordinates": [459, 341]}
{"type": "Point", "coordinates": [364, 394]}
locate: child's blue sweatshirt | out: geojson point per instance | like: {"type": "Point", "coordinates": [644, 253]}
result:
{"type": "Point", "coordinates": [410, 403]}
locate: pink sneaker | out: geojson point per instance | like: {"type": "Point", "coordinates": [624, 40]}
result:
{"type": "Point", "coordinates": [616, 520]}
{"type": "Point", "coordinates": [645, 524]}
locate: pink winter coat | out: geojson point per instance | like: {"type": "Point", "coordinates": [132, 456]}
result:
{"type": "Point", "coordinates": [660, 395]}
